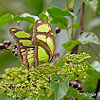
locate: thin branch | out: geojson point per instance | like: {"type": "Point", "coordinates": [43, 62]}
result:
{"type": "Point", "coordinates": [95, 50]}
{"type": "Point", "coordinates": [81, 27]}
{"type": "Point", "coordinates": [71, 28]}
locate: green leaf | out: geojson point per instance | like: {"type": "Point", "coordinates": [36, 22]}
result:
{"type": "Point", "coordinates": [96, 66]}
{"type": "Point", "coordinates": [27, 18]}
{"type": "Point", "coordinates": [62, 22]}
{"type": "Point", "coordinates": [73, 92]}
{"type": "Point", "coordinates": [71, 5]}
{"type": "Point", "coordinates": [56, 12]}
{"type": "Point", "coordinates": [98, 8]}
{"type": "Point", "coordinates": [76, 25]}
{"type": "Point", "coordinates": [43, 16]}
{"type": "Point", "coordinates": [92, 4]}
{"type": "Point", "coordinates": [94, 73]}
{"type": "Point", "coordinates": [60, 63]}
{"type": "Point", "coordinates": [57, 77]}
{"type": "Point", "coordinates": [30, 99]}
{"type": "Point", "coordinates": [89, 37]}
{"type": "Point", "coordinates": [5, 19]}
{"type": "Point", "coordinates": [71, 44]}
{"type": "Point", "coordinates": [94, 70]}
{"type": "Point", "coordinates": [60, 89]}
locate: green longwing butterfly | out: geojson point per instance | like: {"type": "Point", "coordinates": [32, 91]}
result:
{"type": "Point", "coordinates": [36, 49]}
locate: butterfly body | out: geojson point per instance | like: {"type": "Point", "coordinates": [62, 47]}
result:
{"type": "Point", "coordinates": [36, 49]}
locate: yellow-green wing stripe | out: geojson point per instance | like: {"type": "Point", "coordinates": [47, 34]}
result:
{"type": "Point", "coordinates": [32, 51]}
{"type": "Point", "coordinates": [25, 42]}
{"type": "Point", "coordinates": [43, 28]}
{"type": "Point", "coordinates": [30, 56]}
{"type": "Point", "coordinates": [42, 55]}
{"type": "Point", "coordinates": [22, 34]}
{"type": "Point", "coordinates": [50, 43]}
{"type": "Point", "coordinates": [41, 37]}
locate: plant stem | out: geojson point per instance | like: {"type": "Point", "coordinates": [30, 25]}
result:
{"type": "Point", "coordinates": [45, 93]}
{"type": "Point", "coordinates": [71, 28]}
{"type": "Point", "coordinates": [67, 4]}
{"type": "Point", "coordinates": [94, 50]}
{"type": "Point", "coordinates": [68, 35]}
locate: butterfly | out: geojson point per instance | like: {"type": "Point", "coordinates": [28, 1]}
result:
{"type": "Point", "coordinates": [38, 48]}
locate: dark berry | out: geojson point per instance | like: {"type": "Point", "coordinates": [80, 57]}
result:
{"type": "Point", "coordinates": [7, 42]}
{"type": "Point", "coordinates": [79, 87]}
{"type": "Point", "coordinates": [75, 84]}
{"type": "Point", "coordinates": [5, 91]}
{"type": "Point", "coordinates": [58, 29]}
{"type": "Point", "coordinates": [77, 79]}
{"type": "Point", "coordinates": [71, 83]}
{"type": "Point", "coordinates": [82, 91]}
{"type": "Point", "coordinates": [9, 86]}
{"type": "Point", "coordinates": [17, 98]}
{"type": "Point", "coordinates": [16, 53]}
{"type": "Point", "coordinates": [28, 75]}
{"type": "Point", "coordinates": [13, 51]}
{"type": "Point", "coordinates": [15, 45]}
{"type": "Point", "coordinates": [2, 46]}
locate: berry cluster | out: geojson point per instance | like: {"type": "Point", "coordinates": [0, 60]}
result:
{"type": "Point", "coordinates": [28, 83]}
{"type": "Point", "coordinates": [5, 44]}
{"type": "Point", "coordinates": [14, 51]}
{"type": "Point", "coordinates": [75, 84]}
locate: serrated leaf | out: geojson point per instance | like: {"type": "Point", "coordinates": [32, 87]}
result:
{"type": "Point", "coordinates": [57, 12]}
{"type": "Point", "coordinates": [89, 37]}
{"type": "Point", "coordinates": [57, 77]}
{"type": "Point", "coordinates": [60, 89]}
{"type": "Point", "coordinates": [5, 19]}
{"type": "Point", "coordinates": [27, 18]}
{"type": "Point", "coordinates": [62, 22]}
{"type": "Point", "coordinates": [71, 44]}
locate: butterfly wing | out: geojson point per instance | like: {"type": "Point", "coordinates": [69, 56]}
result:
{"type": "Point", "coordinates": [42, 32]}
{"type": "Point", "coordinates": [23, 40]}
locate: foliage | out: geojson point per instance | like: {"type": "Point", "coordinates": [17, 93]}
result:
{"type": "Point", "coordinates": [53, 78]}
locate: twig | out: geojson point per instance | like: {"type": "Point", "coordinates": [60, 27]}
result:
{"type": "Point", "coordinates": [81, 27]}
{"type": "Point", "coordinates": [71, 28]}
{"type": "Point", "coordinates": [95, 50]}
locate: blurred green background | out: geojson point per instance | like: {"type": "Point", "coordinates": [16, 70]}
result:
{"type": "Point", "coordinates": [35, 7]}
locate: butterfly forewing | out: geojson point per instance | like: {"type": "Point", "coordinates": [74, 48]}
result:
{"type": "Point", "coordinates": [23, 40]}
{"type": "Point", "coordinates": [43, 31]}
